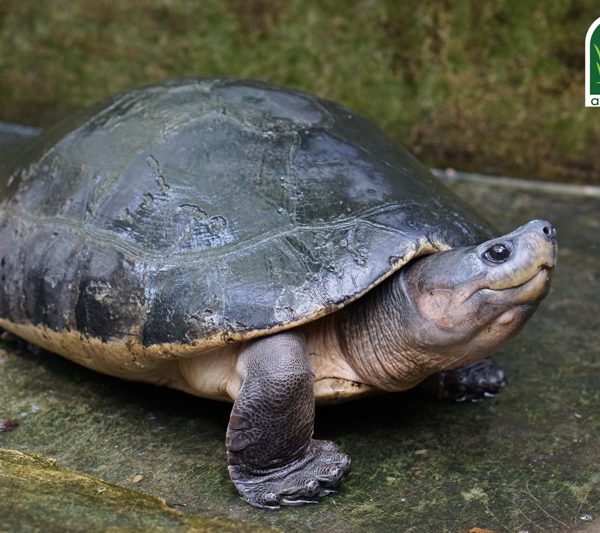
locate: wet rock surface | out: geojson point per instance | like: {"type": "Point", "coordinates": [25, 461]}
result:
{"type": "Point", "coordinates": [525, 460]}
{"type": "Point", "coordinates": [46, 497]}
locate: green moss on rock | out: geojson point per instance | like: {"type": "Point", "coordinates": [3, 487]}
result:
{"type": "Point", "coordinates": [38, 494]}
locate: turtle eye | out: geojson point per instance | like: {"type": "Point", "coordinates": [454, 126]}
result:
{"type": "Point", "coordinates": [497, 253]}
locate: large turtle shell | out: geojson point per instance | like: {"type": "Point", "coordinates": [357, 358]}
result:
{"type": "Point", "coordinates": [204, 211]}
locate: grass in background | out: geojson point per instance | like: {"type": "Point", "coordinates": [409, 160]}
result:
{"type": "Point", "coordinates": [492, 87]}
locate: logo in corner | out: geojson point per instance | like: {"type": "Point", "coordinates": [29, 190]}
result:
{"type": "Point", "coordinates": [592, 65]}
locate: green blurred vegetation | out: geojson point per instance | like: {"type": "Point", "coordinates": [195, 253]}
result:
{"type": "Point", "coordinates": [493, 87]}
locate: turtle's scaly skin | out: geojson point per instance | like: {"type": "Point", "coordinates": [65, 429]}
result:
{"type": "Point", "coordinates": [206, 211]}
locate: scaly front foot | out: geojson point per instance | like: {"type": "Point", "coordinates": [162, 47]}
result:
{"type": "Point", "coordinates": [305, 480]}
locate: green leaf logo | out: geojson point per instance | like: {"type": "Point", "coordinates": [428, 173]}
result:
{"type": "Point", "coordinates": [592, 67]}
{"type": "Point", "coordinates": [597, 63]}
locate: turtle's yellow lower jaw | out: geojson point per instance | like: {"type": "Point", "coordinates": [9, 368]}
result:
{"type": "Point", "coordinates": [532, 290]}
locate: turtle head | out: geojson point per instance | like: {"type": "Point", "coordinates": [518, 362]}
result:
{"type": "Point", "coordinates": [468, 301]}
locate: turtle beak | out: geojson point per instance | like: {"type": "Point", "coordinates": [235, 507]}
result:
{"type": "Point", "coordinates": [520, 264]}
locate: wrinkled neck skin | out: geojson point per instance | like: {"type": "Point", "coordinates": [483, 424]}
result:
{"type": "Point", "coordinates": [377, 342]}
{"type": "Point", "coordinates": [448, 309]}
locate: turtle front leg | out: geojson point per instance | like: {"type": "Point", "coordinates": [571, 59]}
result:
{"type": "Point", "coordinates": [470, 382]}
{"type": "Point", "coordinates": [273, 459]}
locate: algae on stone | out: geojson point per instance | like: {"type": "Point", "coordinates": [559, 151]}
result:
{"type": "Point", "coordinates": [38, 495]}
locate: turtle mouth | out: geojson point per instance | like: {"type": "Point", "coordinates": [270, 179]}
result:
{"type": "Point", "coordinates": [533, 289]}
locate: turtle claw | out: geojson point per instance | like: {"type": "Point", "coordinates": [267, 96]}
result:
{"type": "Point", "coordinates": [303, 481]}
{"type": "Point", "coordinates": [297, 503]}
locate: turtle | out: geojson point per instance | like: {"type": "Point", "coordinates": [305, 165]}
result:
{"type": "Point", "coordinates": [256, 244]}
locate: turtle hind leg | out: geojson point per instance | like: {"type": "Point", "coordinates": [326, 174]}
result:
{"type": "Point", "coordinates": [471, 382]}
{"type": "Point", "coordinates": [273, 459]}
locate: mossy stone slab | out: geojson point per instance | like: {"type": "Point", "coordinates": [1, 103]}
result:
{"type": "Point", "coordinates": [526, 460]}
{"type": "Point", "coordinates": [38, 495]}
